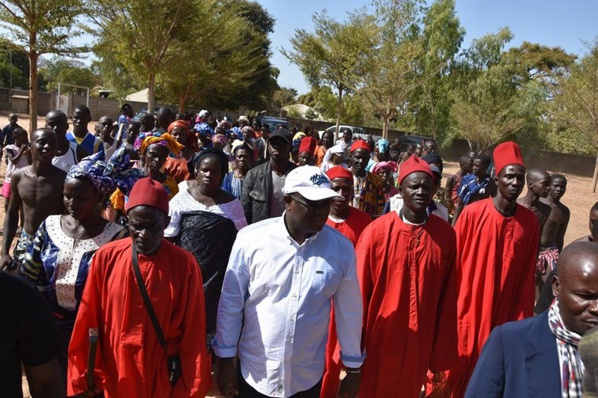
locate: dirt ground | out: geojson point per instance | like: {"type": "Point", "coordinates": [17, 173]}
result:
{"type": "Point", "coordinates": [578, 198]}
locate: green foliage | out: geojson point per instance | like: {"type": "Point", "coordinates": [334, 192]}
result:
{"type": "Point", "coordinates": [392, 70]}
{"type": "Point", "coordinates": [333, 55]}
{"type": "Point", "coordinates": [41, 27]}
{"type": "Point", "coordinates": [139, 34]}
{"type": "Point", "coordinates": [19, 66]}
{"type": "Point", "coordinates": [280, 99]}
{"type": "Point", "coordinates": [429, 105]}
{"type": "Point", "coordinates": [493, 100]}
{"type": "Point", "coordinates": [575, 94]}
{"type": "Point", "coordinates": [192, 52]}
{"type": "Point", "coordinates": [73, 72]}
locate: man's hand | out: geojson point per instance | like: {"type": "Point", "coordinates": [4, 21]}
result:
{"type": "Point", "coordinates": [226, 377]}
{"type": "Point", "coordinates": [6, 263]}
{"type": "Point", "coordinates": [350, 385]}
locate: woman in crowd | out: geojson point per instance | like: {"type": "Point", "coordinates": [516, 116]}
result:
{"type": "Point", "coordinates": [386, 170]}
{"type": "Point", "coordinates": [153, 150]}
{"type": "Point", "coordinates": [204, 219]}
{"type": "Point", "coordinates": [176, 167]}
{"type": "Point", "coordinates": [233, 180]}
{"type": "Point", "coordinates": [326, 142]}
{"type": "Point", "coordinates": [58, 261]}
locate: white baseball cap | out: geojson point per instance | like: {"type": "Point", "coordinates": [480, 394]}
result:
{"type": "Point", "coordinates": [338, 148]}
{"type": "Point", "coordinates": [309, 182]}
{"type": "Point", "coordinates": [203, 113]}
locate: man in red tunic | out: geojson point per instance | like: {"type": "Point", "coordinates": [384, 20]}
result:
{"type": "Point", "coordinates": [497, 247]}
{"type": "Point", "coordinates": [130, 361]}
{"type": "Point", "coordinates": [406, 261]}
{"type": "Point", "coordinates": [350, 222]}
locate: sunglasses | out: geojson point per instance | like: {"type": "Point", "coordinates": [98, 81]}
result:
{"type": "Point", "coordinates": [311, 204]}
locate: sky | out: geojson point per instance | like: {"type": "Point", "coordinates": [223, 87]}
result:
{"type": "Point", "coordinates": [567, 24]}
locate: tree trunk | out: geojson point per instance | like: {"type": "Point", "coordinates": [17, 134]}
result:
{"type": "Point", "coordinates": [151, 88]}
{"type": "Point", "coordinates": [339, 109]}
{"type": "Point", "coordinates": [595, 178]}
{"type": "Point", "coordinates": [385, 126]}
{"type": "Point", "coordinates": [182, 100]}
{"type": "Point", "coordinates": [33, 55]}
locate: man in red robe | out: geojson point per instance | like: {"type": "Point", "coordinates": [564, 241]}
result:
{"type": "Point", "coordinates": [497, 247]}
{"type": "Point", "coordinates": [350, 222]}
{"type": "Point", "coordinates": [130, 360]}
{"type": "Point", "coordinates": [406, 261]}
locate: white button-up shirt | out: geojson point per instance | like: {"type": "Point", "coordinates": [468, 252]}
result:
{"type": "Point", "coordinates": [276, 297]}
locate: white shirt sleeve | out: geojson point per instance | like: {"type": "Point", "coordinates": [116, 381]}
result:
{"type": "Point", "coordinates": [232, 303]}
{"type": "Point", "coordinates": [348, 312]}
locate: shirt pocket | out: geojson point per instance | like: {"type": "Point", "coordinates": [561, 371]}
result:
{"type": "Point", "coordinates": [324, 280]}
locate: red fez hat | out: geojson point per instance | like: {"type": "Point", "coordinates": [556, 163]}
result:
{"type": "Point", "coordinates": [413, 165]}
{"type": "Point", "coordinates": [339, 172]}
{"type": "Point", "coordinates": [505, 154]}
{"type": "Point", "coordinates": [148, 192]}
{"type": "Point", "coordinates": [360, 144]}
{"type": "Point", "coordinates": [308, 144]}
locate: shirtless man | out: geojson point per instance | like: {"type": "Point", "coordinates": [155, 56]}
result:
{"type": "Point", "coordinates": [538, 186]}
{"type": "Point", "coordinates": [38, 188]}
{"type": "Point", "coordinates": [67, 153]}
{"type": "Point", "coordinates": [556, 225]}
{"type": "Point", "coordinates": [553, 233]}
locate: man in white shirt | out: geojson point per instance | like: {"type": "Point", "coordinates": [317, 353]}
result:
{"type": "Point", "coordinates": [275, 305]}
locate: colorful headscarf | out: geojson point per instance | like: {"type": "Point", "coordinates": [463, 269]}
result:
{"type": "Point", "coordinates": [220, 139]}
{"type": "Point", "coordinates": [107, 176]}
{"type": "Point", "coordinates": [382, 145]}
{"type": "Point", "coordinates": [178, 123]}
{"type": "Point", "coordinates": [167, 140]}
{"type": "Point", "coordinates": [390, 165]}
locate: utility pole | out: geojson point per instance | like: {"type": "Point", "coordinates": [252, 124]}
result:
{"type": "Point", "coordinates": [10, 78]}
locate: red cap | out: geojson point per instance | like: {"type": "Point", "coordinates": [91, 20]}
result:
{"type": "Point", "coordinates": [360, 144]}
{"type": "Point", "coordinates": [413, 165]}
{"type": "Point", "coordinates": [308, 144]}
{"type": "Point", "coordinates": [505, 154]}
{"type": "Point", "coordinates": [339, 172]}
{"type": "Point", "coordinates": [148, 192]}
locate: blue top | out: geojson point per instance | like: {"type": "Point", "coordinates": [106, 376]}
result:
{"type": "Point", "coordinates": [58, 264]}
{"type": "Point", "coordinates": [89, 143]}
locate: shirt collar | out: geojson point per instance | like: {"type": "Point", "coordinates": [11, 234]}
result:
{"type": "Point", "coordinates": [283, 229]}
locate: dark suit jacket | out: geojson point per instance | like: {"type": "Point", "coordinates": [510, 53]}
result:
{"type": "Point", "coordinates": [257, 192]}
{"type": "Point", "coordinates": [519, 359]}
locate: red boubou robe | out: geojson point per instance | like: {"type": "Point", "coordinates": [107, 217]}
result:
{"type": "Point", "coordinates": [351, 229]}
{"type": "Point", "coordinates": [496, 259]}
{"type": "Point", "coordinates": [407, 276]}
{"type": "Point", "coordinates": [130, 362]}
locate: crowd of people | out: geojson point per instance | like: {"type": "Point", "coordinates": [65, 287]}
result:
{"type": "Point", "coordinates": [157, 256]}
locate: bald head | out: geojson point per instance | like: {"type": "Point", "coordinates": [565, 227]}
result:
{"type": "Point", "coordinates": [574, 256]}
{"type": "Point", "coordinates": [576, 286]}
{"type": "Point", "coordinates": [534, 175]}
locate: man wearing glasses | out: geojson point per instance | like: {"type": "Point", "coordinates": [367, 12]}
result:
{"type": "Point", "coordinates": [275, 305]}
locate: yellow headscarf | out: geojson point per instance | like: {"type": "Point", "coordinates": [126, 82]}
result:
{"type": "Point", "coordinates": [166, 140]}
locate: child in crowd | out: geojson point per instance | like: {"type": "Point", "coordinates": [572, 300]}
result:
{"type": "Point", "coordinates": [17, 155]}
